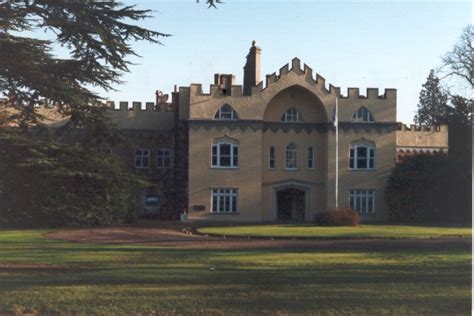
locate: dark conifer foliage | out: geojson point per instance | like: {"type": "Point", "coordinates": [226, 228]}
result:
{"type": "Point", "coordinates": [62, 176]}
{"type": "Point", "coordinates": [98, 36]}
{"type": "Point", "coordinates": [432, 106]}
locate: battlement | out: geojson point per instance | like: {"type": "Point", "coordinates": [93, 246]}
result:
{"type": "Point", "coordinates": [371, 93]}
{"type": "Point", "coordinates": [422, 137]}
{"type": "Point", "coordinates": [314, 79]}
{"type": "Point", "coordinates": [139, 106]}
{"type": "Point", "coordinates": [422, 128]}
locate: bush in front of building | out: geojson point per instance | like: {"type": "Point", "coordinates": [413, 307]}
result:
{"type": "Point", "coordinates": [47, 183]}
{"type": "Point", "coordinates": [432, 189]}
{"type": "Point", "coordinates": [338, 217]}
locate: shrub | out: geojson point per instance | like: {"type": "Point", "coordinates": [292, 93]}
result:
{"type": "Point", "coordinates": [338, 217]}
{"type": "Point", "coordinates": [429, 189]}
{"type": "Point", "coordinates": [45, 183]}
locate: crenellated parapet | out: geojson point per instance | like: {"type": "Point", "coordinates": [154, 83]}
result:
{"type": "Point", "coordinates": [422, 139]}
{"type": "Point", "coordinates": [140, 106]}
{"type": "Point", "coordinates": [313, 79]}
{"type": "Point", "coordinates": [371, 94]}
{"type": "Point", "coordinates": [137, 115]}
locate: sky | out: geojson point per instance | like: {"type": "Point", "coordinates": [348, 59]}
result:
{"type": "Point", "coordinates": [391, 44]}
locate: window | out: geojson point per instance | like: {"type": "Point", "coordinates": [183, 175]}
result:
{"type": "Point", "coordinates": [141, 158]}
{"type": "Point", "coordinates": [362, 157]}
{"type": "Point", "coordinates": [163, 158]}
{"type": "Point", "coordinates": [271, 157]}
{"type": "Point", "coordinates": [226, 112]}
{"type": "Point", "coordinates": [225, 154]}
{"type": "Point", "coordinates": [362, 200]}
{"type": "Point", "coordinates": [363, 115]}
{"type": "Point", "coordinates": [224, 200]}
{"type": "Point", "coordinates": [291, 116]}
{"type": "Point", "coordinates": [310, 158]}
{"type": "Point", "coordinates": [291, 157]}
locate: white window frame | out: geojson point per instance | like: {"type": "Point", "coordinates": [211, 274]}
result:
{"type": "Point", "coordinates": [161, 155]}
{"type": "Point", "coordinates": [140, 155]}
{"type": "Point", "coordinates": [224, 200]}
{"type": "Point", "coordinates": [226, 112]}
{"type": "Point", "coordinates": [291, 116]}
{"type": "Point", "coordinates": [362, 200]}
{"type": "Point", "coordinates": [363, 115]}
{"type": "Point", "coordinates": [310, 162]}
{"type": "Point", "coordinates": [233, 157]}
{"type": "Point", "coordinates": [355, 159]}
{"type": "Point", "coordinates": [271, 157]}
{"type": "Point", "coordinates": [293, 151]}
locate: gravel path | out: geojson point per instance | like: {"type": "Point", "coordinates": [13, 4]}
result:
{"type": "Point", "coordinates": [177, 237]}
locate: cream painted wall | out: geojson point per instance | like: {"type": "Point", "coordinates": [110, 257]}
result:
{"type": "Point", "coordinates": [385, 150]}
{"type": "Point", "coordinates": [246, 178]}
{"type": "Point", "coordinates": [315, 178]}
{"type": "Point", "coordinates": [422, 138]}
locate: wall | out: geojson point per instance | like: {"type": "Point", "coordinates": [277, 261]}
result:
{"type": "Point", "coordinates": [383, 136]}
{"type": "Point", "coordinates": [314, 178]}
{"type": "Point", "coordinates": [146, 118]}
{"type": "Point", "coordinates": [247, 178]}
{"type": "Point", "coordinates": [422, 137]}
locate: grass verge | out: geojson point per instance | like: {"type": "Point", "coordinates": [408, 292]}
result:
{"type": "Point", "coordinates": [44, 276]}
{"type": "Point", "coordinates": [362, 231]}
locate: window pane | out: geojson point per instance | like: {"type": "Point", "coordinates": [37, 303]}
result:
{"type": "Point", "coordinates": [370, 204]}
{"type": "Point", "coordinates": [225, 161]}
{"type": "Point", "coordinates": [225, 149]}
{"type": "Point", "coordinates": [214, 202]}
{"type": "Point", "coordinates": [234, 204]}
{"type": "Point", "coordinates": [221, 203]}
{"type": "Point", "coordinates": [361, 152]}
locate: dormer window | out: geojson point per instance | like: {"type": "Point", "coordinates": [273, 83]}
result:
{"type": "Point", "coordinates": [226, 112]}
{"type": "Point", "coordinates": [363, 115]}
{"type": "Point", "coordinates": [291, 116]}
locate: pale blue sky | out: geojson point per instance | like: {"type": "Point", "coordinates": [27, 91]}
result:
{"type": "Point", "coordinates": [351, 44]}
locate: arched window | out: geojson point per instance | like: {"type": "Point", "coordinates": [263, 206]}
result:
{"type": "Point", "coordinates": [226, 112]}
{"type": "Point", "coordinates": [291, 157]}
{"type": "Point", "coordinates": [291, 116]}
{"type": "Point", "coordinates": [310, 158]}
{"type": "Point", "coordinates": [225, 155]}
{"type": "Point", "coordinates": [363, 115]}
{"type": "Point", "coordinates": [271, 157]}
{"type": "Point", "coordinates": [362, 157]}
{"type": "Point", "coordinates": [163, 158]}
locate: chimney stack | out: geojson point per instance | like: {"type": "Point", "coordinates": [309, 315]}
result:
{"type": "Point", "coordinates": [252, 69]}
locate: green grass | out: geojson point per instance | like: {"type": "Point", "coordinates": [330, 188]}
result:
{"type": "Point", "coordinates": [363, 231]}
{"type": "Point", "coordinates": [48, 276]}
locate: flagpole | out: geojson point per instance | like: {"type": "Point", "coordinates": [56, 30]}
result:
{"type": "Point", "coordinates": [336, 125]}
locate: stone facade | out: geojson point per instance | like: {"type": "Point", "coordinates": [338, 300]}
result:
{"type": "Point", "coordinates": [267, 152]}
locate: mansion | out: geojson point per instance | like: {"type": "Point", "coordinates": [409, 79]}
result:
{"type": "Point", "coordinates": [265, 151]}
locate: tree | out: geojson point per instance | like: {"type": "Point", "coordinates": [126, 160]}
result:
{"type": "Point", "coordinates": [430, 189]}
{"type": "Point", "coordinates": [61, 177]}
{"type": "Point", "coordinates": [450, 177]}
{"type": "Point", "coordinates": [212, 3]}
{"type": "Point", "coordinates": [97, 37]}
{"type": "Point", "coordinates": [432, 106]}
{"type": "Point", "coordinates": [459, 61]}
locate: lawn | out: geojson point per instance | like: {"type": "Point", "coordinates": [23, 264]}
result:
{"type": "Point", "coordinates": [363, 231]}
{"type": "Point", "coordinates": [39, 275]}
